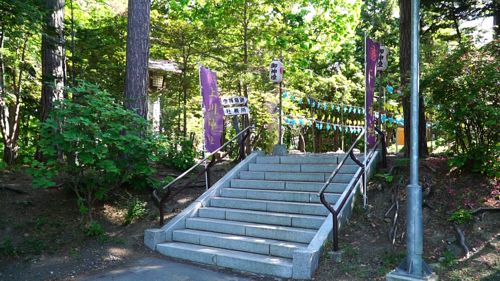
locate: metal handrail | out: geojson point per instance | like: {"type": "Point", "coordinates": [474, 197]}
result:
{"type": "Point", "coordinates": [170, 184]}
{"type": "Point", "coordinates": [345, 195]}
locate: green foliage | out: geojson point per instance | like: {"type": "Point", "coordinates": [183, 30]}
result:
{"type": "Point", "coordinates": [159, 184]}
{"type": "Point", "coordinates": [94, 229]}
{"type": "Point", "coordinates": [448, 259]}
{"type": "Point", "coordinates": [402, 162]}
{"type": "Point", "coordinates": [386, 177]}
{"type": "Point", "coordinates": [265, 122]}
{"type": "Point", "coordinates": [136, 210]}
{"type": "Point", "coordinates": [20, 23]}
{"type": "Point", "coordinates": [7, 248]}
{"type": "Point", "coordinates": [464, 92]}
{"type": "Point", "coordinates": [461, 216]}
{"type": "Point", "coordinates": [94, 145]}
{"type": "Point", "coordinates": [100, 39]}
{"type": "Point", "coordinates": [178, 155]}
{"type": "Point", "coordinates": [389, 261]}
{"type": "Point", "coordinates": [33, 246]}
{"type": "Point", "coordinates": [2, 165]}
{"type": "Point", "coordinates": [239, 38]}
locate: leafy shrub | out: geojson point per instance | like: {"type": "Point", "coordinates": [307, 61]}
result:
{"type": "Point", "coordinates": [33, 246]}
{"type": "Point", "coordinates": [448, 259]}
{"type": "Point", "coordinates": [388, 178]}
{"type": "Point", "coordinates": [93, 145]}
{"type": "Point", "coordinates": [181, 159]}
{"type": "Point", "coordinates": [136, 209]}
{"type": "Point", "coordinates": [7, 248]}
{"type": "Point", "coordinates": [159, 184]}
{"type": "Point", "coordinates": [94, 230]}
{"type": "Point", "coordinates": [461, 216]}
{"type": "Point", "coordinates": [464, 92]}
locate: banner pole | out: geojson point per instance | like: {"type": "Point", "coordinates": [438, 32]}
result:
{"type": "Point", "coordinates": [280, 141]}
{"type": "Point", "coordinates": [366, 133]}
{"type": "Point", "coordinates": [203, 127]}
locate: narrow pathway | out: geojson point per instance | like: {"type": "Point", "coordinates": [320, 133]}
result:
{"type": "Point", "coordinates": [157, 269]}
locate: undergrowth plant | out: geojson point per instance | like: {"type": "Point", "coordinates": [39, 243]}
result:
{"type": "Point", "coordinates": [136, 209]}
{"type": "Point", "coordinates": [461, 216]}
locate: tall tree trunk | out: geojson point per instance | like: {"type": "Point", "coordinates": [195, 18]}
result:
{"type": "Point", "coordinates": [10, 111]}
{"type": "Point", "coordinates": [184, 99]}
{"type": "Point", "coordinates": [52, 56]}
{"type": "Point", "coordinates": [404, 69]}
{"type": "Point", "coordinates": [496, 19]}
{"type": "Point", "coordinates": [246, 22]}
{"type": "Point", "coordinates": [136, 77]}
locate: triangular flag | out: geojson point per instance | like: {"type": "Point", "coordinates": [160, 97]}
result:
{"type": "Point", "coordinates": [390, 89]}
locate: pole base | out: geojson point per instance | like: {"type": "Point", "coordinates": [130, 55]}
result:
{"type": "Point", "coordinates": [280, 150]}
{"type": "Point", "coordinates": [401, 274]}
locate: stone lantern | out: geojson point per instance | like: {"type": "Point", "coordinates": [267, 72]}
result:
{"type": "Point", "coordinates": [157, 71]}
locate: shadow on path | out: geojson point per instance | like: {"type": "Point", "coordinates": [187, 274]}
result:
{"type": "Point", "coordinates": [155, 269]}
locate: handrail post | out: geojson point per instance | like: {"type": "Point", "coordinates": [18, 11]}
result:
{"type": "Point", "coordinates": [336, 232]}
{"type": "Point", "coordinates": [384, 147]}
{"type": "Point", "coordinates": [207, 184]}
{"type": "Point", "coordinates": [207, 177]}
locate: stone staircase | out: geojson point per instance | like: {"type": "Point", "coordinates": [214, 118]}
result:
{"type": "Point", "coordinates": [264, 216]}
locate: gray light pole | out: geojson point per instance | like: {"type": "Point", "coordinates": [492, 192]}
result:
{"type": "Point", "coordinates": [414, 268]}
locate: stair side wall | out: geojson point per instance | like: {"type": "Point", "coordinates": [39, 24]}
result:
{"type": "Point", "coordinates": [153, 237]}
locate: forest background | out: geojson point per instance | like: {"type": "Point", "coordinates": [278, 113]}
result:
{"type": "Point", "coordinates": [63, 74]}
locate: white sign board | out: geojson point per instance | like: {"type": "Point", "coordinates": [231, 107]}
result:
{"type": "Point", "coordinates": [382, 58]}
{"type": "Point", "coordinates": [276, 71]}
{"type": "Point", "coordinates": [228, 111]}
{"type": "Point", "coordinates": [230, 101]}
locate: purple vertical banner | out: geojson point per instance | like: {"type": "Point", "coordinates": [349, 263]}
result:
{"type": "Point", "coordinates": [371, 58]}
{"type": "Point", "coordinates": [212, 108]}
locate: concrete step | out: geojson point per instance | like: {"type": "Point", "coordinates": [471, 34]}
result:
{"type": "Point", "coordinates": [277, 195]}
{"type": "Point", "coordinates": [256, 263]}
{"type": "Point", "coordinates": [305, 159]}
{"type": "Point", "coordinates": [315, 209]}
{"type": "Point", "coordinates": [293, 220]}
{"type": "Point", "coordinates": [236, 242]}
{"type": "Point", "coordinates": [283, 176]}
{"type": "Point", "coordinates": [292, 234]}
{"type": "Point", "coordinates": [305, 168]}
{"type": "Point", "coordinates": [336, 186]}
